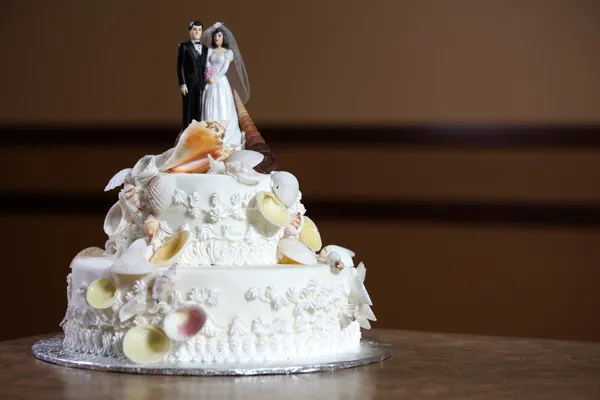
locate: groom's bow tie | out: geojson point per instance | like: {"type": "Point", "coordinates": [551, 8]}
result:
{"type": "Point", "coordinates": [197, 42]}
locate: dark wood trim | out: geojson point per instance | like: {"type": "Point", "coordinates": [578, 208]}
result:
{"type": "Point", "coordinates": [462, 212]}
{"type": "Point", "coordinates": [492, 135]}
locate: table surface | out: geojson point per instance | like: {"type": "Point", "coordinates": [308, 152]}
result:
{"type": "Point", "coordinates": [423, 366]}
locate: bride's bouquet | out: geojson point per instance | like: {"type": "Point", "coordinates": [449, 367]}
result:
{"type": "Point", "coordinates": [210, 72]}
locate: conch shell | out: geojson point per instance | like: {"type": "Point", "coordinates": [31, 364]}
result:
{"type": "Point", "coordinates": [253, 139]}
{"type": "Point", "coordinates": [194, 143]}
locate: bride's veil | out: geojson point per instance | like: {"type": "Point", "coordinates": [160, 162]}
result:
{"type": "Point", "coordinates": [238, 78]}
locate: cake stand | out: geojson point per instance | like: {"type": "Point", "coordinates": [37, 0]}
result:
{"type": "Point", "coordinates": [369, 351]}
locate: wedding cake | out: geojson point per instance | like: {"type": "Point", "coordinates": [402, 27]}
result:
{"type": "Point", "coordinates": [211, 258]}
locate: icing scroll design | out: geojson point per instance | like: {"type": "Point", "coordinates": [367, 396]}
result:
{"type": "Point", "coordinates": [217, 209]}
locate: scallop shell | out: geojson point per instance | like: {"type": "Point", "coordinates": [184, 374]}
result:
{"type": "Point", "coordinates": [272, 209]}
{"type": "Point", "coordinates": [115, 219]}
{"type": "Point", "coordinates": [169, 252]}
{"type": "Point", "coordinates": [248, 157]}
{"type": "Point", "coordinates": [292, 251]}
{"type": "Point", "coordinates": [285, 186]}
{"type": "Point", "coordinates": [160, 193]}
{"type": "Point", "coordinates": [197, 140]}
{"type": "Point", "coordinates": [310, 235]}
{"type": "Point", "coordinates": [145, 344]}
{"type": "Point", "coordinates": [183, 323]}
{"type": "Point", "coordinates": [102, 293]}
{"type": "Point", "coordinates": [131, 263]}
{"type": "Point", "coordinates": [144, 170]}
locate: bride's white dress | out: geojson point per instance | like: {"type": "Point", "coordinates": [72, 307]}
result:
{"type": "Point", "coordinates": [217, 99]}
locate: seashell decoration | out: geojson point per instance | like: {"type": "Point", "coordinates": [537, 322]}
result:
{"type": "Point", "coordinates": [160, 193]}
{"type": "Point", "coordinates": [134, 260]}
{"type": "Point", "coordinates": [183, 323]}
{"type": "Point", "coordinates": [285, 186]}
{"type": "Point", "coordinates": [248, 157]}
{"type": "Point", "coordinates": [219, 127]}
{"type": "Point", "coordinates": [164, 284]}
{"type": "Point", "coordinates": [272, 209]}
{"type": "Point", "coordinates": [196, 141]}
{"type": "Point", "coordinates": [131, 197]}
{"type": "Point", "coordinates": [151, 227]}
{"type": "Point", "coordinates": [168, 253]}
{"type": "Point", "coordinates": [88, 252]}
{"type": "Point", "coordinates": [115, 220]}
{"type": "Point", "coordinates": [337, 257]}
{"type": "Point", "coordinates": [144, 169]}
{"type": "Point", "coordinates": [102, 293]}
{"type": "Point", "coordinates": [118, 179]}
{"type": "Point", "coordinates": [160, 159]}
{"type": "Point", "coordinates": [202, 163]}
{"type": "Point", "coordinates": [310, 235]}
{"type": "Point", "coordinates": [292, 251]}
{"type": "Point", "coordinates": [134, 306]}
{"type": "Point", "coordinates": [145, 344]}
{"type": "Point", "coordinates": [243, 173]}
{"type": "Point", "coordinates": [253, 139]}
{"type": "Point", "coordinates": [295, 226]}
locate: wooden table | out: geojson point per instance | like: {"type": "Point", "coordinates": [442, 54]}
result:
{"type": "Point", "coordinates": [424, 366]}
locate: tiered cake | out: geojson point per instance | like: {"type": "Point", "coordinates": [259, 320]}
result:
{"type": "Point", "coordinates": [210, 258]}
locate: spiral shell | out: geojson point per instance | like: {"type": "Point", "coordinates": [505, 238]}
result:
{"type": "Point", "coordinates": [160, 193]}
{"type": "Point", "coordinates": [286, 187]}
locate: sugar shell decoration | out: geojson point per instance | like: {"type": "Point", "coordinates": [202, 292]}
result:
{"type": "Point", "coordinates": [292, 251]}
{"type": "Point", "coordinates": [102, 293]}
{"type": "Point", "coordinates": [115, 220]}
{"type": "Point", "coordinates": [144, 170]}
{"type": "Point", "coordinates": [195, 144]}
{"type": "Point", "coordinates": [86, 253]}
{"type": "Point", "coordinates": [310, 236]}
{"type": "Point", "coordinates": [286, 187]}
{"type": "Point", "coordinates": [160, 193]}
{"type": "Point", "coordinates": [169, 252]}
{"type": "Point", "coordinates": [295, 226]}
{"type": "Point", "coordinates": [183, 323]}
{"type": "Point", "coordinates": [272, 209]}
{"type": "Point", "coordinates": [145, 344]}
{"type": "Point", "coordinates": [337, 257]}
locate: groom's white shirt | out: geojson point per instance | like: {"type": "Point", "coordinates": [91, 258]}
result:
{"type": "Point", "coordinates": [198, 46]}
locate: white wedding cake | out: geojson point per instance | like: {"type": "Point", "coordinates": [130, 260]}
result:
{"type": "Point", "coordinates": [210, 261]}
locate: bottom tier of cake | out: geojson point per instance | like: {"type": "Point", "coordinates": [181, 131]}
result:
{"type": "Point", "coordinates": [214, 314]}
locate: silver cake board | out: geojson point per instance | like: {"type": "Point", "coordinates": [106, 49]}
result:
{"type": "Point", "coordinates": [369, 351]}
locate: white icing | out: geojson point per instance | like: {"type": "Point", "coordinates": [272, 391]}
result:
{"type": "Point", "coordinates": [248, 320]}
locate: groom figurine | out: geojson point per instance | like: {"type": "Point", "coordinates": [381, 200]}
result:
{"type": "Point", "coordinates": [191, 61]}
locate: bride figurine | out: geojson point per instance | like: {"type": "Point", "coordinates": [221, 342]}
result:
{"type": "Point", "coordinates": [224, 64]}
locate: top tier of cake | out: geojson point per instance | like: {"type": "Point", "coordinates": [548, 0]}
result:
{"type": "Point", "coordinates": [224, 224]}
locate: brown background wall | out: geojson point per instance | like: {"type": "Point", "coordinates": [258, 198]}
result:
{"type": "Point", "coordinates": [311, 61]}
{"type": "Point", "coordinates": [319, 64]}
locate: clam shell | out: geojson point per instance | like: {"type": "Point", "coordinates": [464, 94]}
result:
{"type": "Point", "coordinates": [102, 293]}
{"type": "Point", "coordinates": [145, 344]}
{"type": "Point", "coordinates": [168, 253]}
{"type": "Point", "coordinates": [144, 169]}
{"type": "Point", "coordinates": [247, 157]}
{"type": "Point", "coordinates": [310, 235]}
{"type": "Point", "coordinates": [292, 251]}
{"type": "Point", "coordinates": [197, 140]}
{"type": "Point", "coordinates": [131, 263]}
{"type": "Point", "coordinates": [115, 219]}
{"type": "Point", "coordinates": [183, 323]}
{"type": "Point", "coordinates": [272, 209]}
{"type": "Point", "coordinates": [160, 193]}
{"type": "Point", "coordinates": [285, 186]}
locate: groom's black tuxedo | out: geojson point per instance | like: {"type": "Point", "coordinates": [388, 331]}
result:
{"type": "Point", "coordinates": [190, 72]}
